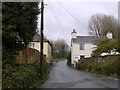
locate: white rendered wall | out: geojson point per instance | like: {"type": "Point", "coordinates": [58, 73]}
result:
{"type": "Point", "coordinates": [88, 48]}
{"type": "Point", "coordinates": [76, 52]}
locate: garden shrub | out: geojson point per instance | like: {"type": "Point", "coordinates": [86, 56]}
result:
{"type": "Point", "coordinates": [23, 76]}
{"type": "Point", "coordinates": [19, 76]}
{"type": "Point", "coordinates": [109, 68]}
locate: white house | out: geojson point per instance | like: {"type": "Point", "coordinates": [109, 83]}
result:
{"type": "Point", "coordinates": [82, 46]}
{"type": "Point", "coordinates": [47, 48]}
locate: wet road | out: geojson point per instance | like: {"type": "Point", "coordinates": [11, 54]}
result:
{"type": "Point", "coordinates": [62, 76]}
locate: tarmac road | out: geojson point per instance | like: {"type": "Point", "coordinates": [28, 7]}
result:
{"type": "Point", "coordinates": [62, 76]}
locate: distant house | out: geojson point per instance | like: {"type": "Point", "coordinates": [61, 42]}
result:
{"type": "Point", "coordinates": [47, 48]}
{"type": "Point", "coordinates": [82, 46]}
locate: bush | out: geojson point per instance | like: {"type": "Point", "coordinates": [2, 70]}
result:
{"type": "Point", "coordinates": [8, 57]}
{"type": "Point", "coordinates": [19, 76]}
{"type": "Point", "coordinates": [23, 76]}
{"type": "Point", "coordinates": [109, 68]}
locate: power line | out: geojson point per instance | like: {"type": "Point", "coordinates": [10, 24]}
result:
{"type": "Point", "coordinates": [55, 17]}
{"type": "Point", "coordinates": [58, 21]}
{"type": "Point", "coordinates": [71, 14]}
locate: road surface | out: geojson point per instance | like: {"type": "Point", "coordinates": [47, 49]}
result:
{"type": "Point", "coordinates": [62, 76]}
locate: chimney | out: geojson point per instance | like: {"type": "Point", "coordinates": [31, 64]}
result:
{"type": "Point", "coordinates": [74, 33]}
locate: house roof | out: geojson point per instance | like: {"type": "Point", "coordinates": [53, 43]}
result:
{"type": "Point", "coordinates": [87, 39]}
{"type": "Point", "coordinates": [37, 38]}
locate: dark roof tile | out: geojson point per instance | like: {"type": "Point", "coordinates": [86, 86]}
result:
{"type": "Point", "coordinates": [37, 37]}
{"type": "Point", "coordinates": [89, 39]}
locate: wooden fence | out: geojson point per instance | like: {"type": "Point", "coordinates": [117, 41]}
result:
{"type": "Point", "coordinates": [29, 56]}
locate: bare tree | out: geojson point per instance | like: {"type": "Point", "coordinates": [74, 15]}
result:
{"type": "Point", "coordinates": [100, 24]}
{"type": "Point", "coordinates": [95, 25]}
{"type": "Point", "coordinates": [109, 24]}
{"type": "Point", "coordinates": [60, 48]}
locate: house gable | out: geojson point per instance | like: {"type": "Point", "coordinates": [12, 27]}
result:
{"type": "Point", "coordinates": [82, 47]}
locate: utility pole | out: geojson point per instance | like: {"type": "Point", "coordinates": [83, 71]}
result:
{"type": "Point", "coordinates": [42, 37]}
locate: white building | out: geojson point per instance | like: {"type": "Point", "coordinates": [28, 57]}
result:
{"type": "Point", "coordinates": [82, 46]}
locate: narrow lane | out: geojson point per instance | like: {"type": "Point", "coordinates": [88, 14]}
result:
{"type": "Point", "coordinates": [62, 76]}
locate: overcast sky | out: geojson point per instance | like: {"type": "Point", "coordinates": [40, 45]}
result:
{"type": "Point", "coordinates": [62, 16]}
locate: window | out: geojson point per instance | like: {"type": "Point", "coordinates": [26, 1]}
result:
{"type": "Point", "coordinates": [32, 45]}
{"type": "Point", "coordinates": [76, 57]}
{"type": "Point", "coordinates": [81, 46]}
